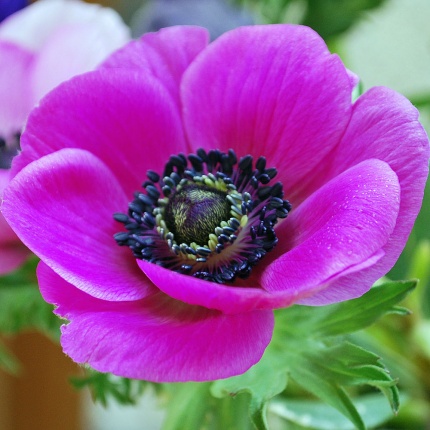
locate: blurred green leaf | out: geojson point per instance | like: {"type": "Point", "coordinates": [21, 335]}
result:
{"type": "Point", "coordinates": [328, 17]}
{"type": "Point", "coordinates": [332, 17]}
{"type": "Point", "coordinates": [188, 406]}
{"type": "Point", "coordinates": [421, 336]}
{"type": "Point", "coordinates": [191, 406]}
{"type": "Point", "coordinates": [419, 268]}
{"type": "Point", "coordinates": [105, 386]}
{"type": "Point", "coordinates": [24, 276]}
{"type": "Point", "coordinates": [349, 316]}
{"type": "Point", "coordinates": [251, 382]}
{"type": "Point", "coordinates": [22, 306]}
{"type": "Point", "coordinates": [312, 414]}
{"type": "Point", "coordinates": [348, 364]}
{"type": "Point", "coordinates": [420, 100]}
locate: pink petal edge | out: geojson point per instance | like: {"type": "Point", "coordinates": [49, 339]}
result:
{"type": "Point", "coordinates": [156, 339]}
{"type": "Point", "coordinates": [335, 231]}
{"type": "Point", "coordinates": [70, 224]}
{"type": "Point", "coordinates": [102, 112]}
{"type": "Point", "coordinates": [165, 55]}
{"type": "Point", "coordinates": [274, 91]}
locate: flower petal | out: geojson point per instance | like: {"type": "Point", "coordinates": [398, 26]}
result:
{"type": "Point", "coordinates": [384, 125]}
{"type": "Point", "coordinates": [98, 41]}
{"type": "Point", "coordinates": [61, 207]}
{"type": "Point", "coordinates": [165, 55]}
{"type": "Point", "coordinates": [103, 112]}
{"type": "Point", "coordinates": [226, 298]}
{"type": "Point", "coordinates": [157, 338]}
{"type": "Point", "coordinates": [33, 26]}
{"type": "Point", "coordinates": [339, 229]}
{"type": "Point", "coordinates": [15, 87]}
{"type": "Point", "coordinates": [269, 90]}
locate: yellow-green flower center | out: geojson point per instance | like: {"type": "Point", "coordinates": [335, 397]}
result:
{"type": "Point", "coordinates": [194, 212]}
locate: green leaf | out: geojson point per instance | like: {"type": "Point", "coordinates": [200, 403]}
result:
{"type": "Point", "coordinates": [22, 306]}
{"type": "Point", "coordinates": [328, 17]}
{"type": "Point", "coordinates": [348, 364]}
{"type": "Point", "coordinates": [188, 407]}
{"type": "Point", "coordinates": [421, 336]}
{"type": "Point", "coordinates": [332, 17]}
{"type": "Point", "coordinates": [307, 376]}
{"type": "Point", "coordinates": [25, 275]}
{"type": "Point", "coordinates": [251, 382]}
{"type": "Point", "coordinates": [346, 317]}
{"type": "Point", "coordinates": [105, 386]}
{"type": "Point", "coordinates": [192, 407]}
{"type": "Point", "coordinates": [317, 415]}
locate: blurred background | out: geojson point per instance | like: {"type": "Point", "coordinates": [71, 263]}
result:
{"type": "Point", "coordinates": [385, 43]}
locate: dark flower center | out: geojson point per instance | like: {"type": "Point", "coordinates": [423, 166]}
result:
{"type": "Point", "coordinates": [9, 147]}
{"type": "Point", "coordinates": [209, 216]}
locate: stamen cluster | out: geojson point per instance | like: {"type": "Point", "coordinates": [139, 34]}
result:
{"type": "Point", "coordinates": [209, 216]}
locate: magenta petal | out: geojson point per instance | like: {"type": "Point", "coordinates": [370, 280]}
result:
{"type": "Point", "coordinates": [385, 125]}
{"type": "Point", "coordinates": [165, 55]}
{"type": "Point", "coordinates": [339, 288]}
{"type": "Point", "coordinates": [15, 87]}
{"type": "Point", "coordinates": [226, 298]}
{"type": "Point", "coordinates": [104, 112]}
{"type": "Point", "coordinates": [157, 338]}
{"type": "Point", "coordinates": [12, 252]}
{"type": "Point", "coordinates": [340, 229]}
{"type": "Point", "coordinates": [269, 90]}
{"type": "Point", "coordinates": [62, 207]}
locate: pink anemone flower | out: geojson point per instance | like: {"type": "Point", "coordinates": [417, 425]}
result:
{"type": "Point", "coordinates": [41, 46]}
{"type": "Point", "coordinates": [156, 190]}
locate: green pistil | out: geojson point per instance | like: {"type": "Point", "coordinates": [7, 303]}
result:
{"type": "Point", "coordinates": [194, 212]}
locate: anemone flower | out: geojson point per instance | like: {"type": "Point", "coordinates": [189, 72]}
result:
{"type": "Point", "coordinates": [182, 191]}
{"type": "Point", "coordinates": [41, 46]}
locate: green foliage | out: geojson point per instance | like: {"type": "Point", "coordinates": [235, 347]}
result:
{"type": "Point", "coordinates": [191, 406]}
{"type": "Point", "coordinates": [23, 308]}
{"type": "Point", "coordinates": [313, 414]}
{"type": "Point", "coordinates": [332, 17]}
{"type": "Point", "coordinates": [328, 17]}
{"type": "Point", "coordinates": [105, 386]}
{"type": "Point", "coordinates": [21, 305]}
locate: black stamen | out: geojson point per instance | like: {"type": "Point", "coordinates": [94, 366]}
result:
{"type": "Point", "coordinates": [205, 203]}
